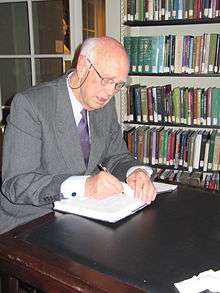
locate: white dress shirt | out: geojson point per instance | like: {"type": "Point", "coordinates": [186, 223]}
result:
{"type": "Point", "coordinates": [75, 185]}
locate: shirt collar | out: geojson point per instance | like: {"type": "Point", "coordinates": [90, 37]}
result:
{"type": "Point", "coordinates": [76, 106]}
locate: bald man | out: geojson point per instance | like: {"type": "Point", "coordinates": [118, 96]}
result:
{"type": "Point", "coordinates": [46, 154]}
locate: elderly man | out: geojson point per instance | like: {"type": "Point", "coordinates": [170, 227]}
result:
{"type": "Point", "coordinates": [59, 132]}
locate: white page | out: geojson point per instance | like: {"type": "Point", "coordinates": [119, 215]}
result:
{"type": "Point", "coordinates": [110, 209]}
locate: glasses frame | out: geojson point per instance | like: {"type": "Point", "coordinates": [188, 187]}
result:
{"type": "Point", "coordinates": [105, 81]}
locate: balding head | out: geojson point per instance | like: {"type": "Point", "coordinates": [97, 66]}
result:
{"type": "Point", "coordinates": [101, 70]}
{"type": "Point", "coordinates": [94, 48]}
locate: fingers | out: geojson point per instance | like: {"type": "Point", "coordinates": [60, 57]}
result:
{"type": "Point", "coordinates": [102, 185]}
{"type": "Point", "coordinates": [144, 189]}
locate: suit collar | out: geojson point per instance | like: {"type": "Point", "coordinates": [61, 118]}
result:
{"type": "Point", "coordinates": [67, 133]}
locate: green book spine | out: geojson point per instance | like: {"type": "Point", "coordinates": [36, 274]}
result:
{"type": "Point", "coordinates": [127, 45]}
{"type": "Point", "coordinates": [215, 107]}
{"type": "Point", "coordinates": [165, 142]}
{"type": "Point", "coordinates": [155, 54]}
{"type": "Point", "coordinates": [134, 54]}
{"type": "Point", "coordinates": [141, 10]}
{"type": "Point", "coordinates": [140, 55]}
{"type": "Point", "coordinates": [191, 9]}
{"type": "Point", "coordinates": [147, 53]}
{"type": "Point", "coordinates": [212, 52]}
{"type": "Point", "coordinates": [185, 108]}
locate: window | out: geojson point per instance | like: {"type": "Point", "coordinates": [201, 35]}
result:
{"type": "Point", "coordinates": [93, 12]}
{"type": "Point", "coordinates": [38, 39]}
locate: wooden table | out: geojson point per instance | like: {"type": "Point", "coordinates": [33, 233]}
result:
{"type": "Point", "coordinates": [175, 238]}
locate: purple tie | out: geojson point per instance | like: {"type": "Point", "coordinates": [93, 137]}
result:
{"type": "Point", "coordinates": [84, 136]}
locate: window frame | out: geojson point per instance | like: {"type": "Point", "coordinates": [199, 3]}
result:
{"type": "Point", "coordinates": [75, 14]}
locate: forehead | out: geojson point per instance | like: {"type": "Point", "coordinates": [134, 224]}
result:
{"type": "Point", "coordinates": [114, 66]}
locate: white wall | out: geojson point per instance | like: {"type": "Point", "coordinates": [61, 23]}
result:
{"type": "Point", "coordinates": [113, 18]}
{"type": "Point", "coordinates": [113, 30]}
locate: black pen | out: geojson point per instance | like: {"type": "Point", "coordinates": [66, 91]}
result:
{"type": "Point", "coordinates": [102, 168]}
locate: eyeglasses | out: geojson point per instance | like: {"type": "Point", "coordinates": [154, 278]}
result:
{"type": "Point", "coordinates": [108, 81]}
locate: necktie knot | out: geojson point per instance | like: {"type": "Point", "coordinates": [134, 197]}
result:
{"type": "Point", "coordinates": [83, 112]}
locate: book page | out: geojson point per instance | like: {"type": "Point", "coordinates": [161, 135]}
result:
{"type": "Point", "coordinates": [109, 209]}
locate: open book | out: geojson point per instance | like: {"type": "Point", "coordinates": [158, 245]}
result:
{"type": "Point", "coordinates": [110, 209]}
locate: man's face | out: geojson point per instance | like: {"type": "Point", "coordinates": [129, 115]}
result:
{"type": "Point", "coordinates": [102, 80]}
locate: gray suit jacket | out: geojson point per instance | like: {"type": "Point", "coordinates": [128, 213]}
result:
{"type": "Point", "coordinates": [41, 149]}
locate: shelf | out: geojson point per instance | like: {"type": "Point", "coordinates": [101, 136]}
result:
{"type": "Point", "coordinates": [214, 191]}
{"type": "Point", "coordinates": [176, 74]}
{"type": "Point", "coordinates": [173, 124]}
{"type": "Point", "coordinates": [172, 22]}
{"type": "Point", "coordinates": [188, 78]}
{"type": "Point", "coordinates": [180, 168]}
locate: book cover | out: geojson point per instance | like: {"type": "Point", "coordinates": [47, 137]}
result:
{"type": "Point", "coordinates": [203, 147]}
{"type": "Point", "coordinates": [140, 144]}
{"type": "Point", "coordinates": [147, 53]}
{"type": "Point", "coordinates": [197, 148]}
{"type": "Point", "coordinates": [212, 52]}
{"type": "Point", "coordinates": [215, 106]}
{"type": "Point", "coordinates": [134, 54]}
{"type": "Point", "coordinates": [150, 104]}
{"type": "Point", "coordinates": [211, 149]}
{"type": "Point", "coordinates": [137, 102]}
{"type": "Point", "coordinates": [216, 153]}
{"type": "Point", "coordinates": [144, 103]}
{"type": "Point", "coordinates": [147, 145]}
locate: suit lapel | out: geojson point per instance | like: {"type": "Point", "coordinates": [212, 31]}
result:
{"type": "Point", "coordinates": [68, 137]}
{"type": "Point", "coordinates": [67, 132]}
{"type": "Point", "coordinates": [97, 138]}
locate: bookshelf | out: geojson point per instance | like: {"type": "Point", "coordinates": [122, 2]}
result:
{"type": "Point", "coordinates": [190, 162]}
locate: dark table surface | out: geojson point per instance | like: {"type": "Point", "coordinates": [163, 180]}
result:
{"type": "Point", "coordinates": [178, 236]}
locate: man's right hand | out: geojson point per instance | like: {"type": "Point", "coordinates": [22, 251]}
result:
{"type": "Point", "coordinates": [102, 185]}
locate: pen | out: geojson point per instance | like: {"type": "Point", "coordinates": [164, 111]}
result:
{"type": "Point", "coordinates": [102, 168]}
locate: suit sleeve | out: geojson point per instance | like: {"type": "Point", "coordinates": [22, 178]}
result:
{"type": "Point", "coordinates": [25, 181]}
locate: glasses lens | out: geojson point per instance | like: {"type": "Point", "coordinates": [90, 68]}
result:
{"type": "Point", "coordinates": [107, 81]}
{"type": "Point", "coordinates": [110, 82]}
{"type": "Point", "coordinates": [119, 86]}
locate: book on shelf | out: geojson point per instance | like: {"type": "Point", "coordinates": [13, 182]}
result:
{"type": "Point", "coordinates": [190, 149]}
{"type": "Point", "coordinates": [174, 53]}
{"type": "Point", "coordinates": [208, 180]}
{"type": "Point", "coordinates": [216, 153]}
{"type": "Point", "coordinates": [160, 10]}
{"type": "Point", "coordinates": [180, 105]}
{"type": "Point", "coordinates": [211, 149]}
{"type": "Point", "coordinates": [110, 209]}
{"type": "Point", "coordinates": [179, 127]}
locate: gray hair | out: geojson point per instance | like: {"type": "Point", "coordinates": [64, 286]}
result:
{"type": "Point", "coordinates": [89, 46]}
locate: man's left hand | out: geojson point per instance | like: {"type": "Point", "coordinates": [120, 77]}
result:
{"type": "Point", "coordinates": [143, 188]}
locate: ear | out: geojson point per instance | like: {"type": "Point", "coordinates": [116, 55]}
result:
{"type": "Point", "coordinates": [82, 66]}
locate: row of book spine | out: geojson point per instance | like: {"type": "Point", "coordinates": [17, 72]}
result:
{"type": "Point", "coordinates": [206, 180]}
{"type": "Point", "coordinates": [181, 148]}
{"type": "Point", "coordinates": [160, 10]}
{"type": "Point", "coordinates": [176, 53]}
{"type": "Point", "coordinates": [180, 105]}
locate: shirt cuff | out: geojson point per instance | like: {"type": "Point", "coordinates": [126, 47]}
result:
{"type": "Point", "coordinates": [145, 168]}
{"type": "Point", "coordinates": [73, 186]}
